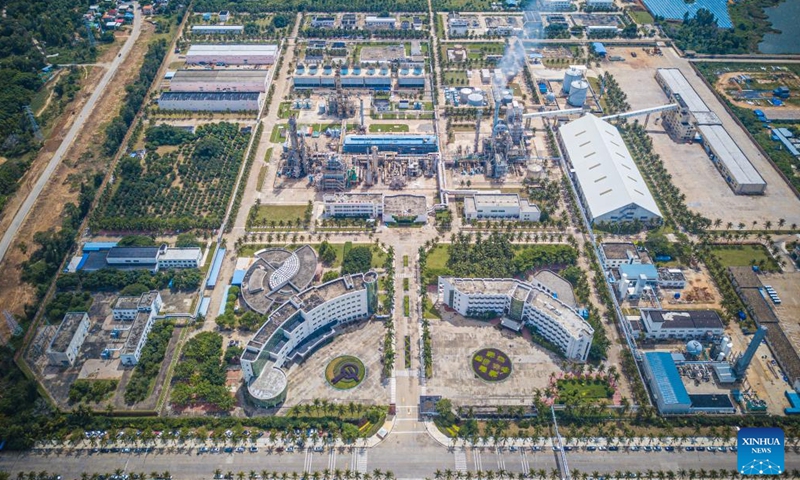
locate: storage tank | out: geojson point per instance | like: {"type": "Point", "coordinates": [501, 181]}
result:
{"type": "Point", "coordinates": [356, 70]}
{"type": "Point", "coordinates": [571, 75]}
{"type": "Point", "coordinates": [345, 70]}
{"type": "Point", "coordinates": [301, 68]}
{"type": "Point", "coordinates": [475, 100]}
{"type": "Point", "coordinates": [694, 348]}
{"type": "Point", "coordinates": [327, 70]}
{"type": "Point", "coordinates": [507, 99]}
{"type": "Point", "coordinates": [551, 97]}
{"type": "Point", "coordinates": [535, 172]}
{"type": "Point", "coordinates": [577, 93]}
{"type": "Point", "coordinates": [464, 94]}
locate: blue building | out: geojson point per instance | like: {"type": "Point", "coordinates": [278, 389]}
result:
{"type": "Point", "coordinates": [599, 48]}
{"type": "Point", "coordinates": [403, 144]}
{"type": "Point", "coordinates": [665, 383]}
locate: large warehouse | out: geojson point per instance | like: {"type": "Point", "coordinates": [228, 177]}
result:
{"type": "Point", "coordinates": [609, 183]}
{"type": "Point", "coordinates": [219, 81]}
{"type": "Point", "coordinates": [694, 117]}
{"type": "Point", "coordinates": [255, 54]}
{"type": "Point", "coordinates": [404, 144]}
{"type": "Point", "coordinates": [211, 101]}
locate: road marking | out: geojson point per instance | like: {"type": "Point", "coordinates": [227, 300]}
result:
{"type": "Point", "coordinates": [526, 467]}
{"type": "Point", "coordinates": [478, 460]}
{"type": "Point", "coordinates": [352, 460]}
{"type": "Point", "coordinates": [461, 460]}
{"type": "Point", "coordinates": [332, 460]}
{"type": "Point", "coordinates": [501, 461]}
{"type": "Point", "coordinates": [361, 461]}
{"type": "Point", "coordinates": [307, 464]}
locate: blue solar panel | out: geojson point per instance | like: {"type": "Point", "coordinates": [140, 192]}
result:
{"type": "Point", "coordinates": [674, 9]}
{"type": "Point", "coordinates": [668, 380]}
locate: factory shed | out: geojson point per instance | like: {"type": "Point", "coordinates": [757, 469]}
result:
{"type": "Point", "coordinates": [665, 383]}
{"type": "Point", "coordinates": [599, 48]}
{"type": "Point", "coordinates": [610, 185]}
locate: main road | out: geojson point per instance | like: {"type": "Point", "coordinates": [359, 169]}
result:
{"type": "Point", "coordinates": [66, 143]}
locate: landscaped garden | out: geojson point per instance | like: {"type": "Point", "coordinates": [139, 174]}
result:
{"type": "Point", "coordinates": [345, 372]}
{"type": "Point", "coordinates": [584, 390]}
{"type": "Point", "coordinates": [491, 364]}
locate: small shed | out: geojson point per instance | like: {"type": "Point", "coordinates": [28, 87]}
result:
{"type": "Point", "coordinates": [599, 48]}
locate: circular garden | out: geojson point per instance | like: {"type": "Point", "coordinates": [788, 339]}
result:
{"type": "Point", "coordinates": [491, 364]}
{"type": "Point", "coordinates": [345, 372]}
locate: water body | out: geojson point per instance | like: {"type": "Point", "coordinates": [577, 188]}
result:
{"type": "Point", "coordinates": [786, 18]}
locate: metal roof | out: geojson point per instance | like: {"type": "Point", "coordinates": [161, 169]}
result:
{"type": "Point", "coordinates": [667, 379]}
{"type": "Point", "coordinates": [209, 96]}
{"type": "Point", "coordinates": [608, 177]}
{"type": "Point", "coordinates": [740, 168]}
{"type": "Point", "coordinates": [675, 9]}
{"type": "Point", "coordinates": [254, 49]}
{"type": "Point", "coordinates": [133, 252]}
{"type": "Point", "coordinates": [679, 85]}
{"type": "Point", "coordinates": [232, 76]}
{"type": "Point", "coordinates": [389, 139]}
{"type": "Point", "coordinates": [634, 270]}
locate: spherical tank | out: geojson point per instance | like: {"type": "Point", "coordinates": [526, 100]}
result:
{"type": "Point", "coordinates": [507, 99]}
{"type": "Point", "coordinates": [694, 348]}
{"type": "Point", "coordinates": [475, 100]}
{"type": "Point", "coordinates": [570, 76]}
{"type": "Point", "coordinates": [464, 94]}
{"type": "Point", "coordinates": [551, 97]}
{"type": "Point", "coordinates": [577, 93]}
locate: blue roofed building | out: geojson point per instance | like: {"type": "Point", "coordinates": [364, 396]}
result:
{"type": "Point", "coordinates": [599, 48]}
{"type": "Point", "coordinates": [665, 383]}
{"type": "Point", "coordinates": [635, 271]}
{"type": "Point", "coordinates": [403, 144]}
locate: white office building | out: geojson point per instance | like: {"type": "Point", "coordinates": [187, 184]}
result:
{"type": "Point", "coordinates": [554, 320]}
{"type": "Point", "coordinates": [458, 27]}
{"type": "Point", "coordinates": [609, 183]}
{"type": "Point", "coordinates": [554, 5]}
{"type": "Point", "coordinates": [127, 307]}
{"type": "Point", "coordinates": [615, 254]}
{"type": "Point", "coordinates": [147, 309]}
{"type": "Point", "coordinates": [680, 324]}
{"type": "Point", "coordinates": [64, 347]}
{"type": "Point", "coordinates": [500, 206]}
{"type": "Point", "coordinates": [379, 23]}
{"type": "Point", "coordinates": [298, 327]}
{"type": "Point", "coordinates": [189, 257]}
{"type": "Point", "coordinates": [369, 205]}
{"type": "Point", "coordinates": [600, 4]}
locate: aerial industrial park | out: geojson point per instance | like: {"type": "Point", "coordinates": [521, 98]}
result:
{"type": "Point", "coordinates": [541, 239]}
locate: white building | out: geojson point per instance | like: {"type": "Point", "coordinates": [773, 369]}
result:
{"type": "Point", "coordinates": [550, 317]}
{"type": "Point", "coordinates": [671, 278]}
{"type": "Point", "coordinates": [217, 29]}
{"type": "Point", "coordinates": [323, 22]}
{"type": "Point", "coordinates": [600, 4]}
{"type": "Point", "coordinates": [127, 307]}
{"type": "Point", "coordinates": [680, 324]}
{"type": "Point", "coordinates": [614, 254]}
{"type": "Point", "coordinates": [405, 209]}
{"type": "Point", "coordinates": [249, 54]}
{"type": "Point", "coordinates": [502, 206]}
{"type": "Point", "coordinates": [300, 325]}
{"type": "Point", "coordinates": [378, 23]}
{"type": "Point", "coordinates": [694, 117]}
{"type": "Point", "coordinates": [211, 101]}
{"type": "Point", "coordinates": [610, 185]}
{"type": "Point", "coordinates": [554, 5]}
{"type": "Point", "coordinates": [63, 349]}
{"type": "Point", "coordinates": [188, 257]}
{"type": "Point", "coordinates": [369, 205]}
{"type": "Point", "coordinates": [147, 309]}
{"type": "Point", "coordinates": [125, 257]}
{"type": "Point", "coordinates": [457, 27]}
{"type": "Point", "coordinates": [219, 81]}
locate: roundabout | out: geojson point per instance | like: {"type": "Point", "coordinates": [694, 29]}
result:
{"type": "Point", "coordinates": [345, 372]}
{"type": "Point", "coordinates": [491, 365]}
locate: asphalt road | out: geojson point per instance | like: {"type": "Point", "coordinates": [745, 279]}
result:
{"type": "Point", "coordinates": [408, 456]}
{"type": "Point", "coordinates": [86, 111]}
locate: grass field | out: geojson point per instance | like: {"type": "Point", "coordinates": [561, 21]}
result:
{"type": "Point", "coordinates": [427, 309]}
{"type": "Point", "coordinates": [405, 284]}
{"type": "Point", "coordinates": [342, 380]}
{"type": "Point", "coordinates": [588, 391]}
{"type": "Point", "coordinates": [280, 213]}
{"type": "Point", "coordinates": [262, 175]}
{"type": "Point", "coordinates": [405, 260]}
{"type": "Point", "coordinates": [454, 78]}
{"type": "Point", "coordinates": [406, 306]}
{"type": "Point", "coordinates": [744, 256]}
{"type": "Point", "coordinates": [388, 127]}
{"type": "Point", "coordinates": [378, 255]}
{"type": "Point", "coordinates": [641, 17]}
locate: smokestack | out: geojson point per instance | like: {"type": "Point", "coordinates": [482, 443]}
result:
{"type": "Point", "coordinates": [293, 132]}
{"type": "Point", "coordinates": [362, 113]}
{"type": "Point", "coordinates": [740, 368]}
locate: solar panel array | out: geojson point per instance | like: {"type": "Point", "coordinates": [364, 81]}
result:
{"type": "Point", "coordinates": [675, 9]}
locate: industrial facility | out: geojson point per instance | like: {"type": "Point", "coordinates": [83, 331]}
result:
{"type": "Point", "coordinates": [694, 120]}
{"type": "Point", "coordinates": [387, 208]}
{"type": "Point", "coordinates": [219, 81]}
{"type": "Point", "coordinates": [379, 78]}
{"type": "Point", "coordinates": [502, 206]}
{"type": "Point", "coordinates": [221, 54]}
{"type": "Point", "coordinates": [609, 183]}
{"type": "Point", "coordinates": [211, 101]}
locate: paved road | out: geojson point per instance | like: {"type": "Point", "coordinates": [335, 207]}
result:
{"type": "Point", "coordinates": [408, 456]}
{"type": "Point", "coordinates": [77, 126]}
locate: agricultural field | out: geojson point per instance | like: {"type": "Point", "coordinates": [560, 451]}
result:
{"type": "Point", "coordinates": [184, 182]}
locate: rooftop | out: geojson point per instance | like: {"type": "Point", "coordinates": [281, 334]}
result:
{"type": "Point", "coordinates": [676, 82]}
{"type": "Point", "coordinates": [496, 199]}
{"type": "Point", "coordinates": [269, 384]}
{"type": "Point", "coordinates": [745, 277]}
{"type": "Point", "coordinates": [133, 252]}
{"type": "Point", "coordinates": [619, 251]}
{"type": "Point", "coordinates": [353, 198]}
{"type": "Point", "coordinates": [66, 331]}
{"type": "Point", "coordinates": [208, 96]}
{"type": "Point", "coordinates": [276, 275]}
{"type": "Point", "coordinates": [711, 400]}
{"type": "Point", "coordinates": [666, 378]}
{"type": "Point", "coordinates": [188, 253]}
{"type": "Point", "coordinates": [608, 177]}
{"type": "Point", "coordinates": [136, 332]}
{"type": "Point", "coordinates": [410, 139]}
{"type": "Point", "coordinates": [670, 274]}
{"type": "Point", "coordinates": [126, 303]}
{"type": "Point", "coordinates": [219, 76]}
{"type": "Point", "coordinates": [726, 149]}
{"type": "Point", "coordinates": [635, 270]}
{"type": "Point", "coordinates": [250, 49]}
{"type": "Point", "coordinates": [405, 205]}
{"type": "Point", "coordinates": [558, 285]}
{"type": "Point", "coordinates": [698, 319]}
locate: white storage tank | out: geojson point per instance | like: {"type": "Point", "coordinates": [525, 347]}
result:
{"type": "Point", "coordinates": [577, 93]}
{"type": "Point", "coordinates": [572, 74]}
{"type": "Point", "coordinates": [464, 94]}
{"type": "Point", "coordinates": [475, 100]}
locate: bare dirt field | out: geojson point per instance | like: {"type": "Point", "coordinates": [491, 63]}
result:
{"type": "Point", "coordinates": [307, 380]}
{"type": "Point", "coordinates": [455, 339]}
{"type": "Point", "coordinates": [81, 159]}
{"type": "Point", "coordinates": [693, 173]}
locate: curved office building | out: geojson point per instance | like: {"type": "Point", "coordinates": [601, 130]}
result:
{"type": "Point", "coordinates": [303, 323]}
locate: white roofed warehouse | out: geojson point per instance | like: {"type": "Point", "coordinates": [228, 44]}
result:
{"type": "Point", "coordinates": [610, 185]}
{"type": "Point", "coordinates": [254, 54]}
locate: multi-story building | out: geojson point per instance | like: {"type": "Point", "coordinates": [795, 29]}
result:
{"type": "Point", "coordinates": [555, 5]}
{"type": "Point", "coordinates": [323, 21]}
{"type": "Point", "coordinates": [600, 4]}
{"type": "Point", "coordinates": [671, 278]}
{"type": "Point", "coordinates": [63, 349]}
{"type": "Point", "coordinates": [554, 320]}
{"type": "Point", "coordinates": [349, 21]}
{"type": "Point", "coordinates": [614, 254]}
{"type": "Point", "coordinates": [189, 257]}
{"type": "Point", "coordinates": [380, 23]}
{"type": "Point", "coordinates": [127, 307]}
{"type": "Point", "coordinates": [680, 324]}
{"type": "Point", "coordinates": [366, 205]}
{"type": "Point", "coordinates": [457, 26]}
{"type": "Point", "coordinates": [144, 257]}
{"type": "Point", "coordinates": [147, 309]}
{"type": "Point", "coordinates": [298, 327]}
{"type": "Point", "coordinates": [500, 206]}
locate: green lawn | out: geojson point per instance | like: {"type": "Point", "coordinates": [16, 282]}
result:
{"type": "Point", "coordinates": [405, 260]}
{"type": "Point", "coordinates": [455, 78]}
{"type": "Point", "coordinates": [378, 255]}
{"type": "Point", "coordinates": [427, 309]}
{"type": "Point", "coordinates": [280, 213]}
{"type": "Point", "coordinates": [262, 175]}
{"type": "Point", "coordinates": [406, 306]}
{"type": "Point", "coordinates": [744, 256]}
{"type": "Point", "coordinates": [641, 17]}
{"type": "Point", "coordinates": [588, 391]}
{"type": "Point", "coordinates": [405, 284]}
{"type": "Point", "coordinates": [388, 127]}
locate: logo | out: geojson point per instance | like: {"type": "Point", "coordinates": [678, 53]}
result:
{"type": "Point", "coordinates": [760, 451]}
